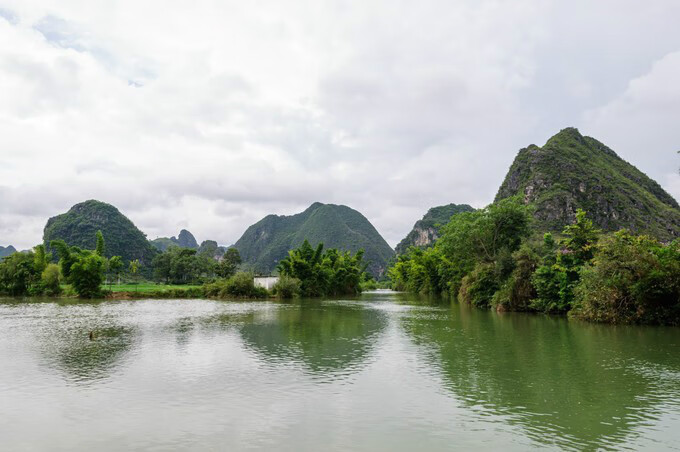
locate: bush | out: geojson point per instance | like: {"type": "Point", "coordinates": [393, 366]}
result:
{"type": "Point", "coordinates": [479, 286]}
{"type": "Point", "coordinates": [370, 284]}
{"type": "Point", "coordinates": [287, 287]}
{"type": "Point", "coordinates": [631, 280]}
{"type": "Point", "coordinates": [518, 291]}
{"type": "Point", "coordinates": [51, 279]}
{"type": "Point", "coordinates": [87, 275]}
{"type": "Point", "coordinates": [239, 285]}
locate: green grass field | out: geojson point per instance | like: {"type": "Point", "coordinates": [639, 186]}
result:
{"type": "Point", "coordinates": [146, 287]}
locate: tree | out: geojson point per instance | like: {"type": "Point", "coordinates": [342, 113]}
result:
{"type": "Point", "coordinates": [17, 274]}
{"type": "Point", "coordinates": [229, 263]}
{"type": "Point", "coordinates": [100, 248]}
{"type": "Point", "coordinates": [87, 275]}
{"type": "Point", "coordinates": [41, 258]}
{"type": "Point", "coordinates": [322, 274]}
{"type": "Point", "coordinates": [560, 272]}
{"type": "Point", "coordinates": [51, 279]}
{"type": "Point", "coordinates": [116, 266]}
{"type": "Point", "coordinates": [134, 270]}
{"type": "Point", "coordinates": [632, 279]}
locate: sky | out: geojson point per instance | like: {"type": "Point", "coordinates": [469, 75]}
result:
{"type": "Point", "coordinates": [209, 115]}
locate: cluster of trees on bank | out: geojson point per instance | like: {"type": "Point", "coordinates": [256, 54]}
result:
{"type": "Point", "coordinates": [491, 258]}
{"type": "Point", "coordinates": [34, 273]}
{"type": "Point", "coordinates": [307, 271]}
{"type": "Point", "coordinates": [189, 266]}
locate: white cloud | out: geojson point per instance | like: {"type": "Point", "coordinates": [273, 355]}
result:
{"type": "Point", "coordinates": [210, 115]}
{"type": "Point", "coordinates": [642, 123]}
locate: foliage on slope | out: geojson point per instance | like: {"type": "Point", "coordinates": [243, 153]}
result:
{"type": "Point", "coordinates": [572, 172]}
{"type": "Point", "coordinates": [426, 230]}
{"type": "Point", "coordinates": [79, 226]}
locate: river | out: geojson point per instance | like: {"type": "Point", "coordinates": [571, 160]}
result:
{"type": "Point", "coordinates": [385, 371]}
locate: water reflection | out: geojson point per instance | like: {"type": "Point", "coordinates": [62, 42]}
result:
{"type": "Point", "coordinates": [326, 337]}
{"type": "Point", "coordinates": [86, 360]}
{"type": "Point", "coordinates": [567, 384]}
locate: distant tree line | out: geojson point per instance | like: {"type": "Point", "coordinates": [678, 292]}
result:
{"type": "Point", "coordinates": [491, 258]}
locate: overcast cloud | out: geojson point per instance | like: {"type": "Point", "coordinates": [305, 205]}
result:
{"type": "Point", "coordinates": [208, 115]}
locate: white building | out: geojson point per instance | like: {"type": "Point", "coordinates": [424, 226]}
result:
{"type": "Point", "coordinates": [265, 281]}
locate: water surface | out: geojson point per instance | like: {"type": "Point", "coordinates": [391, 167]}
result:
{"type": "Point", "coordinates": [383, 372]}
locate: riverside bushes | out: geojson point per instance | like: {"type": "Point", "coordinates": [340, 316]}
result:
{"type": "Point", "coordinates": [489, 259]}
{"type": "Point", "coordinates": [329, 273]}
{"type": "Point", "coordinates": [240, 285]}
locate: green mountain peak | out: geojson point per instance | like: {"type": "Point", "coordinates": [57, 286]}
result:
{"type": "Point", "coordinates": [268, 241]}
{"type": "Point", "coordinates": [573, 171]}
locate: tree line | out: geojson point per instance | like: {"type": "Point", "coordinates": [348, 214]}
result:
{"type": "Point", "coordinates": [492, 258]}
{"type": "Point", "coordinates": [307, 271]}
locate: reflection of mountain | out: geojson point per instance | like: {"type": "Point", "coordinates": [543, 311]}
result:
{"type": "Point", "coordinates": [567, 384]}
{"type": "Point", "coordinates": [323, 337]}
{"type": "Point", "coordinates": [85, 360]}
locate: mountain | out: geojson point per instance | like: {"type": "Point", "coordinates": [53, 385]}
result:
{"type": "Point", "coordinates": [426, 230]}
{"type": "Point", "coordinates": [185, 240]}
{"type": "Point", "coordinates": [573, 171]}
{"type": "Point", "coordinates": [212, 249]}
{"type": "Point", "coordinates": [80, 224]}
{"type": "Point", "coordinates": [6, 251]}
{"type": "Point", "coordinates": [268, 241]}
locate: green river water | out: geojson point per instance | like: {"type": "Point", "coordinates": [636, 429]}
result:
{"type": "Point", "coordinates": [385, 371]}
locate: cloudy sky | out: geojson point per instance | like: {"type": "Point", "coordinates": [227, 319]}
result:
{"type": "Point", "coordinates": [208, 115]}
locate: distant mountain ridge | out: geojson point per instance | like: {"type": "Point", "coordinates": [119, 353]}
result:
{"type": "Point", "coordinates": [268, 241]}
{"type": "Point", "coordinates": [185, 239]}
{"type": "Point", "coordinates": [426, 230]}
{"type": "Point", "coordinates": [6, 251]}
{"type": "Point", "coordinates": [79, 226]}
{"type": "Point", "coordinates": [573, 171]}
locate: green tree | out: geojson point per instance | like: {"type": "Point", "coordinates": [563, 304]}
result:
{"type": "Point", "coordinates": [116, 266]}
{"type": "Point", "coordinates": [558, 276]}
{"type": "Point", "coordinates": [100, 248]}
{"type": "Point", "coordinates": [87, 275]}
{"type": "Point", "coordinates": [133, 268]}
{"type": "Point", "coordinates": [229, 263]}
{"type": "Point", "coordinates": [51, 279]}
{"type": "Point", "coordinates": [324, 273]}
{"type": "Point", "coordinates": [41, 258]}
{"type": "Point", "coordinates": [632, 279]}
{"type": "Point", "coordinates": [17, 274]}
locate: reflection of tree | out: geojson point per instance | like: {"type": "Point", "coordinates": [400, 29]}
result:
{"type": "Point", "coordinates": [568, 384]}
{"type": "Point", "coordinates": [324, 337]}
{"type": "Point", "coordinates": [85, 360]}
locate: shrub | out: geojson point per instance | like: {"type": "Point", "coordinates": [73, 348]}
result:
{"type": "Point", "coordinates": [287, 287]}
{"type": "Point", "coordinates": [518, 290]}
{"type": "Point", "coordinates": [87, 275]}
{"type": "Point", "coordinates": [631, 280]}
{"type": "Point", "coordinates": [239, 285]}
{"type": "Point", "coordinates": [50, 280]}
{"type": "Point", "coordinates": [479, 286]}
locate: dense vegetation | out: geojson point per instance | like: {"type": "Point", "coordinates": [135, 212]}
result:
{"type": "Point", "coordinates": [320, 273]}
{"type": "Point", "coordinates": [189, 266]}
{"type": "Point", "coordinates": [426, 230]}
{"type": "Point", "coordinates": [268, 241]}
{"type": "Point", "coordinates": [575, 172]}
{"type": "Point", "coordinates": [29, 273]}
{"type": "Point", "coordinates": [491, 259]}
{"type": "Point", "coordinates": [78, 227]}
